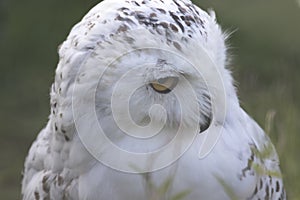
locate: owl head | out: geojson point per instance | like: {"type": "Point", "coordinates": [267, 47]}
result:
{"type": "Point", "coordinates": [143, 68]}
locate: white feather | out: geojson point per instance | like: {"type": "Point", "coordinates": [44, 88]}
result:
{"type": "Point", "coordinates": [115, 38]}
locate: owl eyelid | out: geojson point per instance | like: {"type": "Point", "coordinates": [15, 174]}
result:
{"type": "Point", "coordinates": [162, 80]}
{"type": "Point", "coordinates": [164, 85]}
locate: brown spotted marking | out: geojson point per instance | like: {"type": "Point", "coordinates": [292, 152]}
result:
{"type": "Point", "coordinates": [248, 167]}
{"type": "Point", "coordinates": [177, 20]}
{"type": "Point", "coordinates": [174, 28]}
{"type": "Point", "coordinates": [277, 186]}
{"type": "Point", "coordinates": [177, 45]}
{"type": "Point", "coordinates": [267, 192]}
{"type": "Point", "coordinates": [136, 3]}
{"type": "Point", "coordinates": [123, 19]}
{"type": "Point", "coordinates": [45, 185]}
{"type": "Point", "coordinates": [66, 138]}
{"type": "Point", "coordinates": [55, 127]}
{"type": "Point", "coordinates": [36, 195]}
{"type": "Point", "coordinates": [60, 180]}
{"type": "Point", "coordinates": [260, 184]}
{"type": "Point", "coordinates": [161, 10]}
{"type": "Point", "coordinates": [123, 28]}
{"type": "Point", "coordinates": [163, 24]}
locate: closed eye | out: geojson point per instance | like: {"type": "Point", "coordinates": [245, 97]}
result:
{"type": "Point", "coordinates": [164, 85]}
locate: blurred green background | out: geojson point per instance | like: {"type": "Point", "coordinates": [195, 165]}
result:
{"type": "Point", "coordinates": [265, 52]}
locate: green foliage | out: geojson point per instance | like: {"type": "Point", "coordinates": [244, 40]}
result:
{"type": "Point", "coordinates": [229, 191]}
{"type": "Point", "coordinates": [162, 191]}
{"type": "Point", "coordinates": [265, 62]}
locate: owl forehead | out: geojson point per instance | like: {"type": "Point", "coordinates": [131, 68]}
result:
{"type": "Point", "coordinates": [115, 27]}
{"type": "Point", "coordinates": [162, 17]}
{"type": "Point", "coordinates": [176, 16]}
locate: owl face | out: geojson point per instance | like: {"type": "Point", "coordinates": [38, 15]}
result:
{"type": "Point", "coordinates": [137, 71]}
{"type": "Point", "coordinates": [148, 77]}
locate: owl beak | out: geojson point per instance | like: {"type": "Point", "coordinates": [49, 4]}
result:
{"type": "Point", "coordinates": [205, 126]}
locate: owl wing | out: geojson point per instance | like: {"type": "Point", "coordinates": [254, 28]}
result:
{"type": "Point", "coordinates": [264, 162]}
{"type": "Point", "coordinates": [40, 181]}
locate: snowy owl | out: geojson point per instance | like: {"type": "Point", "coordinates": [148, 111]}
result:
{"type": "Point", "coordinates": [143, 107]}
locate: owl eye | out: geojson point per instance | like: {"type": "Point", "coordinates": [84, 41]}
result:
{"type": "Point", "coordinates": [164, 85]}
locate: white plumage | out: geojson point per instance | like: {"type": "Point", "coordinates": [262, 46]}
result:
{"type": "Point", "coordinates": [166, 52]}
